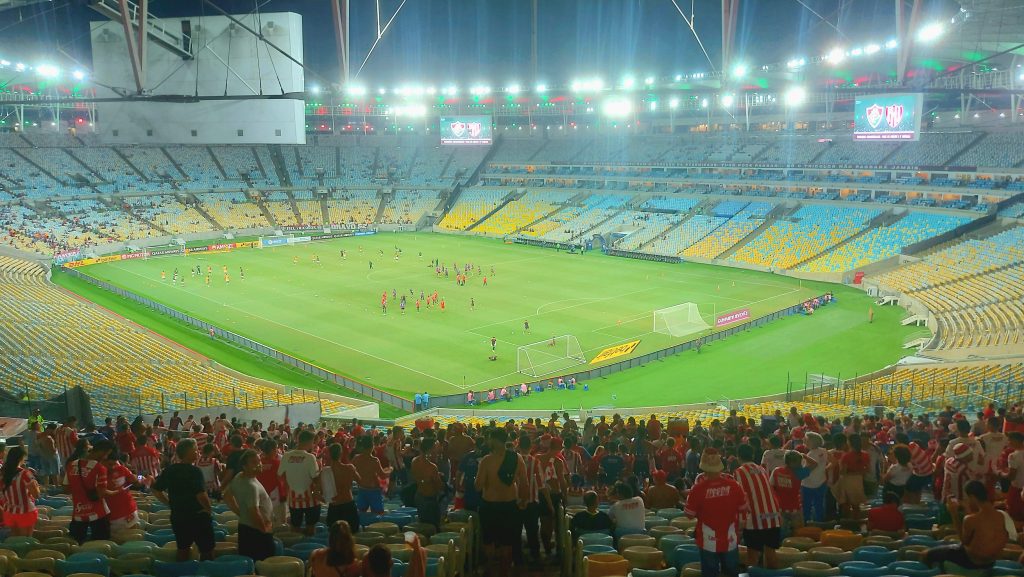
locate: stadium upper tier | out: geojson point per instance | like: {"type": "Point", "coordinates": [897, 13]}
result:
{"type": "Point", "coordinates": [50, 340]}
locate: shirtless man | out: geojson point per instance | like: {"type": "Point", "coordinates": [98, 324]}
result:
{"type": "Point", "coordinates": [371, 474]}
{"type": "Point", "coordinates": [459, 444]}
{"type": "Point", "coordinates": [501, 480]}
{"type": "Point", "coordinates": [428, 485]}
{"type": "Point", "coordinates": [984, 532]}
{"type": "Point", "coordinates": [337, 478]}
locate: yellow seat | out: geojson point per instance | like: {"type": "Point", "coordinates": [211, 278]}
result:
{"type": "Point", "coordinates": [643, 557]}
{"type": "Point", "coordinates": [605, 565]}
{"type": "Point", "coordinates": [280, 566]}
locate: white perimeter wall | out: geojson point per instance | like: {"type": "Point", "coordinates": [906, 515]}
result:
{"type": "Point", "coordinates": [226, 61]}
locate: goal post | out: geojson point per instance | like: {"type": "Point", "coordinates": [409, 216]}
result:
{"type": "Point", "coordinates": [550, 356]}
{"type": "Point", "coordinates": [679, 321]}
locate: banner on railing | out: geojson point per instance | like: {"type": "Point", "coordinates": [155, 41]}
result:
{"type": "Point", "coordinates": [67, 256]}
{"type": "Point", "coordinates": [733, 317]}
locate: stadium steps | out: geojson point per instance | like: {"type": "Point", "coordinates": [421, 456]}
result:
{"type": "Point", "coordinates": [886, 158]}
{"type": "Point", "coordinates": [325, 212]}
{"type": "Point", "coordinates": [38, 166]}
{"type": "Point", "coordinates": [778, 212]}
{"type": "Point", "coordinates": [699, 209]}
{"type": "Point", "coordinates": [259, 164]}
{"type": "Point", "coordinates": [951, 161]}
{"type": "Point", "coordinates": [200, 208]}
{"type": "Point", "coordinates": [114, 204]}
{"type": "Point", "coordinates": [447, 165]}
{"type": "Point", "coordinates": [516, 195]}
{"type": "Point", "coordinates": [885, 219]}
{"type": "Point", "coordinates": [277, 157]}
{"type": "Point", "coordinates": [579, 153]}
{"type": "Point", "coordinates": [615, 214]}
{"type": "Point", "coordinates": [174, 163]}
{"type": "Point", "coordinates": [385, 199]}
{"type": "Point", "coordinates": [216, 162]}
{"type": "Point", "coordinates": [295, 208]}
{"type": "Point", "coordinates": [89, 171]}
{"type": "Point", "coordinates": [537, 152]}
{"type": "Point", "coordinates": [258, 199]}
{"type": "Point", "coordinates": [412, 164]}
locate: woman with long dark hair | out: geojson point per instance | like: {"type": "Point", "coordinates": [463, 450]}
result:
{"type": "Point", "coordinates": [338, 559]}
{"type": "Point", "coordinates": [20, 491]}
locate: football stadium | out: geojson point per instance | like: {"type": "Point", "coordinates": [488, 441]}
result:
{"type": "Point", "coordinates": [657, 251]}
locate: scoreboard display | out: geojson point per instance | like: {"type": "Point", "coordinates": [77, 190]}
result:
{"type": "Point", "coordinates": [887, 117]}
{"type": "Point", "coordinates": [466, 130]}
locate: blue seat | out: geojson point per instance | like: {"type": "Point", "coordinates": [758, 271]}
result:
{"type": "Point", "coordinates": [85, 563]}
{"type": "Point", "coordinates": [862, 569]}
{"type": "Point", "coordinates": [227, 567]}
{"type": "Point", "coordinates": [431, 567]}
{"type": "Point", "coordinates": [1008, 568]}
{"type": "Point", "coordinates": [398, 569]}
{"type": "Point", "coordinates": [278, 547]}
{"type": "Point", "coordinates": [136, 547]}
{"type": "Point", "coordinates": [180, 569]}
{"type": "Point", "coordinates": [919, 540]}
{"type": "Point", "coordinates": [596, 539]}
{"type": "Point", "coordinates": [684, 554]}
{"type": "Point", "coordinates": [876, 554]}
{"type": "Point", "coordinates": [912, 569]}
{"type": "Point", "coordinates": [299, 553]}
{"type": "Point", "coordinates": [591, 549]}
{"type": "Point", "coordinates": [160, 539]}
{"type": "Point", "coordinates": [397, 518]}
{"type": "Point", "coordinates": [762, 572]}
{"type": "Point", "coordinates": [920, 521]}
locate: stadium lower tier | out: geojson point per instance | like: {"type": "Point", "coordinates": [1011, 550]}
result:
{"type": "Point", "coordinates": [51, 341]}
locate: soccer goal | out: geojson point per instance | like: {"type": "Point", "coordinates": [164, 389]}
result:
{"type": "Point", "coordinates": [551, 356]}
{"type": "Point", "coordinates": [679, 321]}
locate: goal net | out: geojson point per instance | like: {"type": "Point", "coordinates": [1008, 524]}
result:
{"type": "Point", "coordinates": [679, 321]}
{"type": "Point", "coordinates": [551, 356]}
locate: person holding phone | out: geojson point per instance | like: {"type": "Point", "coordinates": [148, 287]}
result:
{"type": "Point", "coordinates": [246, 496]}
{"type": "Point", "coordinates": [124, 512]}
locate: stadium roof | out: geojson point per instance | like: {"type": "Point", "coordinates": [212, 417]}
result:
{"type": "Point", "coordinates": [7, 4]}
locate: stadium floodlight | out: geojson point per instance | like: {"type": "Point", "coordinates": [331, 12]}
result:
{"type": "Point", "coordinates": [649, 80]}
{"type": "Point", "coordinates": [891, 44]}
{"type": "Point", "coordinates": [653, 106]}
{"type": "Point", "coordinates": [382, 91]}
{"type": "Point", "coordinates": [617, 107]}
{"type": "Point", "coordinates": [78, 75]}
{"type": "Point", "coordinates": [836, 55]}
{"type": "Point", "coordinates": [727, 100]}
{"type": "Point", "coordinates": [871, 49]}
{"type": "Point", "coordinates": [796, 63]}
{"type": "Point", "coordinates": [355, 90]}
{"type": "Point", "coordinates": [541, 88]}
{"type": "Point", "coordinates": [5, 63]}
{"type": "Point", "coordinates": [513, 89]}
{"type": "Point", "coordinates": [673, 103]}
{"type": "Point", "coordinates": [628, 82]}
{"type": "Point", "coordinates": [856, 52]}
{"type": "Point", "coordinates": [48, 71]}
{"type": "Point", "coordinates": [431, 90]}
{"type": "Point", "coordinates": [739, 71]}
{"type": "Point", "coordinates": [451, 90]}
{"type": "Point", "coordinates": [930, 32]}
{"type": "Point", "coordinates": [704, 103]}
{"type": "Point", "coordinates": [796, 96]}
{"type": "Point", "coordinates": [20, 67]}
{"type": "Point", "coordinates": [679, 77]}
{"type": "Point", "coordinates": [314, 89]}
{"type": "Point", "coordinates": [480, 90]}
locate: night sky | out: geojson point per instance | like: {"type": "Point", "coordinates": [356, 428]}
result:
{"type": "Point", "coordinates": [470, 41]}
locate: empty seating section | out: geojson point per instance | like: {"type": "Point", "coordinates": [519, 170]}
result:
{"type": "Point", "coordinates": [151, 161]}
{"type": "Point", "coordinates": [266, 163]}
{"type": "Point", "coordinates": [883, 242]}
{"type": "Point", "coordinates": [24, 179]}
{"type": "Point", "coordinates": [198, 166]}
{"type": "Point", "coordinates": [692, 231]}
{"type": "Point", "coordinates": [51, 140]}
{"type": "Point", "coordinates": [311, 160]}
{"type": "Point", "coordinates": [652, 225]}
{"type": "Point", "coordinates": [673, 203]}
{"type": "Point", "coordinates": [357, 164]}
{"type": "Point", "coordinates": [463, 163]}
{"type": "Point", "coordinates": [928, 387]}
{"type": "Point", "coordinates": [997, 149]}
{"type": "Point", "coordinates": [471, 206]}
{"type": "Point", "coordinates": [844, 151]}
{"type": "Point", "coordinates": [233, 210]}
{"type": "Point", "coordinates": [1013, 211]}
{"type": "Point", "coordinates": [563, 149]}
{"type": "Point", "coordinates": [810, 231]}
{"type": "Point", "coordinates": [934, 149]}
{"type": "Point", "coordinates": [431, 163]}
{"type": "Point", "coordinates": [353, 207]}
{"type": "Point", "coordinates": [409, 206]}
{"type": "Point", "coordinates": [168, 213]}
{"type": "Point", "coordinates": [743, 217]}
{"type": "Point", "coordinates": [50, 340]}
{"type": "Point", "coordinates": [531, 207]}
{"type": "Point", "coordinates": [595, 209]}
{"type": "Point", "coordinates": [792, 151]}
{"type": "Point", "coordinates": [280, 208]}
{"type": "Point", "coordinates": [238, 162]}
{"type": "Point", "coordinates": [58, 163]}
{"type": "Point", "coordinates": [310, 211]}
{"type": "Point", "coordinates": [108, 171]}
{"type": "Point", "coordinates": [518, 149]}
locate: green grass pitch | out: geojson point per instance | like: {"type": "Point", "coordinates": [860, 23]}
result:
{"type": "Point", "coordinates": [330, 315]}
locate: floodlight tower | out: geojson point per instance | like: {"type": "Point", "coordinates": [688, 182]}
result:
{"type": "Point", "coordinates": [730, 8]}
{"type": "Point", "coordinates": [339, 17]}
{"type": "Point", "coordinates": [906, 29]}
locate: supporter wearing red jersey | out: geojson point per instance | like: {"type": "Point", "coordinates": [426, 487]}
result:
{"type": "Point", "coordinates": [66, 438]}
{"type": "Point", "coordinates": [786, 484]}
{"type": "Point", "coordinates": [716, 501]}
{"type": "Point", "coordinates": [762, 532]}
{"type": "Point", "coordinates": [269, 476]}
{"type": "Point", "coordinates": [957, 472]}
{"type": "Point", "coordinates": [19, 492]}
{"type": "Point", "coordinates": [299, 470]}
{"type": "Point", "coordinates": [87, 483]}
{"type": "Point", "coordinates": [145, 460]}
{"type": "Point", "coordinates": [670, 460]}
{"type": "Point", "coordinates": [125, 440]}
{"type": "Point", "coordinates": [123, 509]}
{"type": "Point", "coordinates": [887, 517]}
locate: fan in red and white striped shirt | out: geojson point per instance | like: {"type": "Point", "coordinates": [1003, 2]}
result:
{"type": "Point", "coordinates": [66, 438]}
{"type": "Point", "coordinates": [19, 493]}
{"type": "Point", "coordinates": [145, 460]}
{"type": "Point", "coordinates": [763, 518]}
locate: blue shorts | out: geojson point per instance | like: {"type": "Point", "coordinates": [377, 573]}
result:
{"type": "Point", "coordinates": [49, 465]}
{"type": "Point", "coordinates": [370, 500]}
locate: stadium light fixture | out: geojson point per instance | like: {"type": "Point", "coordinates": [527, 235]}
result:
{"type": "Point", "coordinates": [541, 88]}
{"type": "Point", "coordinates": [48, 71]}
{"type": "Point", "coordinates": [451, 90]}
{"type": "Point", "coordinates": [431, 90]}
{"type": "Point", "coordinates": [20, 67]}
{"type": "Point", "coordinates": [704, 103]}
{"type": "Point", "coordinates": [930, 32]}
{"type": "Point", "coordinates": [649, 81]}
{"type": "Point", "coordinates": [679, 77]}
{"type": "Point", "coordinates": [653, 106]}
{"type": "Point", "coordinates": [796, 96]}
{"type": "Point", "coordinates": [5, 63]}
{"type": "Point", "coordinates": [513, 89]}
{"type": "Point", "coordinates": [836, 55]}
{"type": "Point", "coordinates": [739, 71]}
{"type": "Point", "coordinates": [796, 63]}
{"type": "Point", "coordinates": [871, 49]}
{"type": "Point", "coordinates": [727, 100]}
{"type": "Point", "coordinates": [891, 44]}
{"type": "Point", "coordinates": [355, 90]}
{"type": "Point", "coordinates": [674, 103]}
{"type": "Point", "coordinates": [480, 90]}
{"type": "Point", "coordinates": [628, 82]}
{"type": "Point", "coordinates": [314, 89]}
{"type": "Point", "coordinates": [617, 107]}
{"type": "Point", "coordinates": [856, 52]}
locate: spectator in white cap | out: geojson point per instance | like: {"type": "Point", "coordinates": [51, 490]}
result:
{"type": "Point", "coordinates": [716, 501]}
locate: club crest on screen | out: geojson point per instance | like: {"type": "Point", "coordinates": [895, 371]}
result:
{"type": "Point", "coordinates": [475, 128]}
{"type": "Point", "coordinates": [458, 128]}
{"type": "Point", "coordinates": [893, 115]}
{"type": "Point", "coordinates": [874, 115]}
